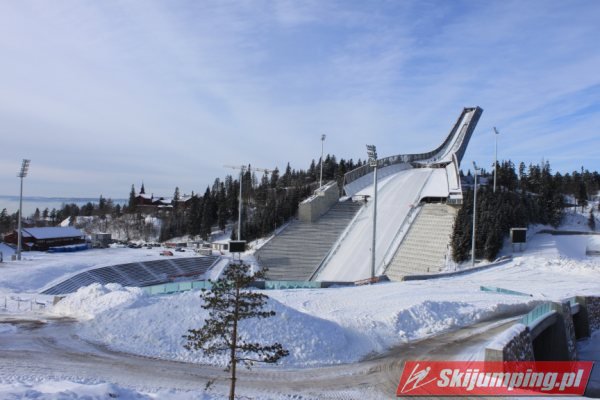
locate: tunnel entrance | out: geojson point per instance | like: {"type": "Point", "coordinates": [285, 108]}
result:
{"type": "Point", "coordinates": [551, 343]}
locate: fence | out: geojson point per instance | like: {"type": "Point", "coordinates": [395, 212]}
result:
{"type": "Point", "coordinates": [12, 303]}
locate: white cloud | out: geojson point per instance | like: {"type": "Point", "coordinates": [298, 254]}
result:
{"type": "Point", "coordinates": [169, 92]}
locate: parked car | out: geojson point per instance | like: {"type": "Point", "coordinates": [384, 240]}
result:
{"type": "Point", "coordinates": [166, 253]}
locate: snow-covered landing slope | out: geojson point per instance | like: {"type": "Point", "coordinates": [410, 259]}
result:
{"type": "Point", "coordinates": [396, 197]}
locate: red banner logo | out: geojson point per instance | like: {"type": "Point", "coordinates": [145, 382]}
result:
{"type": "Point", "coordinates": [496, 378]}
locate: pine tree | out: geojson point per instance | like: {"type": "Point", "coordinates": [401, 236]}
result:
{"type": "Point", "coordinates": [592, 220]}
{"type": "Point", "coordinates": [5, 224]}
{"type": "Point", "coordinates": [229, 302]}
{"type": "Point", "coordinates": [131, 204]}
{"type": "Point", "coordinates": [582, 195]}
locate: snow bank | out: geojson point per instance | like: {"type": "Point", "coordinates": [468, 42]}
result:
{"type": "Point", "coordinates": [161, 322]}
{"type": "Point", "coordinates": [126, 320]}
{"type": "Point", "coordinates": [63, 390]}
{"type": "Point", "coordinates": [95, 299]}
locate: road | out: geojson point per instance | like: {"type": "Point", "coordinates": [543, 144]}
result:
{"type": "Point", "coordinates": [50, 349]}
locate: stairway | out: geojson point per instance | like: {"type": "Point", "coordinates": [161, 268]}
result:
{"type": "Point", "coordinates": [297, 251]}
{"type": "Point", "coordinates": [425, 246]}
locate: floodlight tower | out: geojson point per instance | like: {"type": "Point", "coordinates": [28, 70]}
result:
{"type": "Point", "coordinates": [372, 153]}
{"type": "Point", "coordinates": [476, 172]}
{"type": "Point", "coordinates": [242, 169]}
{"type": "Point", "coordinates": [321, 176]}
{"type": "Point", "coordinates": [495, 157]}
{"type": "Point", "coordinates": [22, 174]}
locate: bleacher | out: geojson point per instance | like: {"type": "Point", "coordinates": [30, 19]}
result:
{"type": "Point", "coordinates": [137, 274]}
{"type": "Point", "coordinates": [297, 251]}
{"type": "Point", "coordinates": [425, 246]}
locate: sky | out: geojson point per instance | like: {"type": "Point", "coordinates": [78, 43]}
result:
{"type": "Point", "coordinates": [101, 95]}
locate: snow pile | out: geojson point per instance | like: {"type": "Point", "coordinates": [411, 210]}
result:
{"type": "Point", "coordinates": [63, 390]}
{"type": "Point", "coordinates": [95, 299]}
{"type": "Point", "coordinates": [318, 327]}
{"type": "Point", "coordinates": [161, 322]}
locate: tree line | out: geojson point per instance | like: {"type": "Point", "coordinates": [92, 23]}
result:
{"type": "Point", "coordinates": [268, 200]}
{"type": "Point", "coordinates": [527, 195]}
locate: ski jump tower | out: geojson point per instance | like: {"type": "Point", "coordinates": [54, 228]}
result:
{"type": "Point", "coordinates": [417, 199]}
{"type": "Point", "coordinates": [447, 156]}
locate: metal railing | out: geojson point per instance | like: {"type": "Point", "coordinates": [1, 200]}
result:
{"type": "Point", "coordinates": [537, 313]}
{"type": "Point", "coordinates": [177, 287]}
{"type": "Point", "coordinates": [503, 291]}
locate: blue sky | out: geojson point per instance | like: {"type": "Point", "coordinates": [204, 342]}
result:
{"type": "Point", "coordinates": [103, 94]}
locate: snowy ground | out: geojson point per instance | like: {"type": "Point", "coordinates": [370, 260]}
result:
{"type": "Point", "coordinates": [319, 327]}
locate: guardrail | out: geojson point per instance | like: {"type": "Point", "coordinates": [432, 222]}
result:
{"type": "Point", "coordinates": [503, 291]}
{"type": "Point", "coordinates": [537, 313]}
{"type": "Point", "coordinates": [177, 287]}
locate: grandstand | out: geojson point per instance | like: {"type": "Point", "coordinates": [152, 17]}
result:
{"type": "Point", "coordinates": [425, 246]}
{"type": "Point", "coordinates": [137, 274]}
{"type": "Point", "coordinates": [296, 252]}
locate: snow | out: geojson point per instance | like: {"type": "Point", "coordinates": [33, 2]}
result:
{"type": "Point", "coordinates": [341, 325]}
{"type": "Point", "coordinates": [437, 184]}
{"type": "Point", "coordinates": [319, 327]}
{"type": "Point", "coordinates": [396, 197]}
{"type": "Point", "coordinates": [6, 251]}
{"type": "Point", "coordinates": [69, 390]}
{"type": "Point", "coordinates": [500, 342]}
{"type": "Point", "coordinates": [52, 232]}
{"type": "Point", "coordinates": [38, 270]}
{"type": "Point", "coordinates": [95, 299]}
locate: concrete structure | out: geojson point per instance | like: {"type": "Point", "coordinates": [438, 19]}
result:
{"type": "Point", "coordinates": [548, 333]}
{"type": "Point", "coordinates": [406, 181]}
{"type": "Point", "coordinates": [101, 240]}
{"type": "Point", "coordinates": [297, 252]}
{"type": "Point", "coordinates": [311, 209]}
{"type": "Point", "coordinates": [424, 248]}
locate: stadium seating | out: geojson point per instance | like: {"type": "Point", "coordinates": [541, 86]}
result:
{"type": "Point", "coordinates": [425, 247]}
{"type": "Point", "coordinates": [137, 273]}
{"type": "Point", "coordinates": [297, 251]}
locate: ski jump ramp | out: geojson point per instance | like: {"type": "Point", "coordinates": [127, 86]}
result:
{"type": "Point", "coordinates": [404, 181]}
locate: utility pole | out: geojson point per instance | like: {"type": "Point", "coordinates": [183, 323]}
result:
{"type": "Point", "coordinates": [22, 174]}
{"type": "Point", "coordinates": [495, 157]}
{"type": "Point", "coordinates": [476, 172]}
{"type": "Point", "coordinates": [242, 169]}
{"type": "Point", "coordinates": [372, 153]}
{"type": "Point", "coordinates": [321, 177]}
